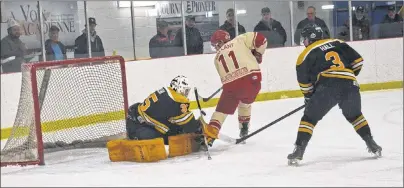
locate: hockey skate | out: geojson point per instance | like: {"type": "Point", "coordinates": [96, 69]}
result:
{"type": "Point", "coordinates": [297, 155]}
{"type": "Point", "coordinates": [373, 148]}
{"type": "Point", "coordinates": [243, 131]}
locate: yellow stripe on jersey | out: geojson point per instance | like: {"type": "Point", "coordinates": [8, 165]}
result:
{"type": "Point", "coordinates": [309, 48]}
{"type": "Point", "coordinates": [186, 120]}
{"type": "Point", "coordinates": [338, 73]}
{"type": "Point", "coordinates": [357, 68]}
{"type": "Point", "coordinates": [357, 64]}
{"type": "Point", "coordinates": [338, 76]}
{"type": "Point", "coordinates": [357, 60]}
{"type": "Point", "coordinates": [306, 88]}
{"type": "Point", "coordinates": [180, 116]}
{"type": "Point", "coordinates": [177, 97]}
{"type": "Point", "coordinates": [338, 70]}
{"type": "Point", "coordinates": [157, 125]}
{"type": "Point", "coordinates": [305, 85]}
{"type": "Point", "coordinates": [182, 119]}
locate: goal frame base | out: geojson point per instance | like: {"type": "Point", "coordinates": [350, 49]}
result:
{"type": "Point", "coordinates": [49, 65]}
{"type": "Point", "coordinates": [25, 163]}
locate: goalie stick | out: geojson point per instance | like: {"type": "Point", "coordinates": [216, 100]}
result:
{"type": "Point", "coordinates": [202, 114]}
{"type": "Point", "coordinates": [210, 97]}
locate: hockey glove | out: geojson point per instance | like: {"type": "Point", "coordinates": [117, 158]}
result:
{"type": "Point", "coordinates": [257, 55]}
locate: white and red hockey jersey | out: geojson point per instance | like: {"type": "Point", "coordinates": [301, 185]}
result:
{"type": "Point", "coordinates": [236, 60]}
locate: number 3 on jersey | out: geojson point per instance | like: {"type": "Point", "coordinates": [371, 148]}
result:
{"type": "Point", "coordinates": [146, 103]}
{"type": "Point", "coordinates": [336, 60]}
{"type": "Point", "coordinates": [223, 61]}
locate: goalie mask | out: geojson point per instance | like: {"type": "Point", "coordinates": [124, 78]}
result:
{"type": "Point", "coordinates": [180, 85]}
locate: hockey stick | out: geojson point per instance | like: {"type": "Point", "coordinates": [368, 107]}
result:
{"type": "Point", "coordinates": [197, 102]}
{"type": "Point", "coordinates": [211, 96]}
{"type": "Point", "coordinates": [239, 140]}
{"type": "Point", "coordinates": [204, 114]}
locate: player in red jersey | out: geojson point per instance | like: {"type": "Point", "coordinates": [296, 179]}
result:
{"type": "Point", "coordinates": [237, 62]}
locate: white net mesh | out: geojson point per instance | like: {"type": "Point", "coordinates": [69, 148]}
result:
{"type": "Point", "coordinates": [80, 106]}
{"type": "Point", "coordinates": [18, 147]}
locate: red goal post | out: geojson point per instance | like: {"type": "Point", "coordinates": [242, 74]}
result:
{"type": "Point", "coordinates": [67, 104]}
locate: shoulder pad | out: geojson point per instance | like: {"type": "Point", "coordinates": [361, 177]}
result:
{"type": "Point", "coordinates": [176, 96]}
{"type": "Point", "coordinates": [310, 48]}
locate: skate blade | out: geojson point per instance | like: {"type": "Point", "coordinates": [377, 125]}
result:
{"type": "Point", "coordinates": [243, 142]}
{"type": "Point", "coordinates": [377, 154]}
{"type": "Point", "coordinates": [293, 162]}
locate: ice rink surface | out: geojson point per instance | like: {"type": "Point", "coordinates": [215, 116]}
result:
{"type": "Point", "coordinates": [336, 155]}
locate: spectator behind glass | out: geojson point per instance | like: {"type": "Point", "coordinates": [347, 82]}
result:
{"type": "Point", "coordinates": [311, 18]}
{"type": "Point", "coordinates": [392, 24]}
{"type": "Point", "coordinates": [229, 24]}
{"type": "Point", "coordinates": [360, 24]}
{"type": "Point", "coordinates": [193, 37]}
{"type": "Point", "coordinates": [162, 44]}
{"type": "Point", "coordinates": [13, 49]}
{"type": "Point", "coordinates": [55, 50]}
{"type": "Point", "coordinates": [271, 29]}
{"type": "Point", "coordinates": [80, 44]}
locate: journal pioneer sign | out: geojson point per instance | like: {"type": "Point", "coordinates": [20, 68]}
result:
{"type": "Point", "coordinates": [173, 9]}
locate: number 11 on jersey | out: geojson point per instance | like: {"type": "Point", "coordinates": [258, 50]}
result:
{"type": "Point", "coordinates": [224, 63]}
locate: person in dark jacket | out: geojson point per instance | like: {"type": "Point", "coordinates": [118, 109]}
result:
{"type": "Point", "coordinates": [81, 48]}
{"type": "Point", "coordinates": [229, 24]}
{"type": "Point", "coordinates": [392, 16]}
{"type": "Point", "coordinates": [271, 29]}
{"type": "Point", "coordinates": [162, 44]}
{"type": "Point", "coordinates": [360, 24]}
{"type": "Point", "coordinates": [13, 51]}
{"type": "Point", "coordinates": [311, 18]}
{"type": "Point", "coordinates": [55, 50]}
{"type": "Point", "coordinates": [392, 24]}
{"type": "Point", "coordinates": [193, 37]}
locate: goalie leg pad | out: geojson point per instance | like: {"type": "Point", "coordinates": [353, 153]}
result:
{"type": "Point", "coordinates": [183, 144]}
{"type": "Point", "coordinates": [137, 150]}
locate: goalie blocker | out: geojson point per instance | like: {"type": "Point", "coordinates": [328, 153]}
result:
{"type": "Point", "coordinates": [162, 119]}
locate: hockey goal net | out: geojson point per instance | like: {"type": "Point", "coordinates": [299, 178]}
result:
{"type": "Point", "coordinates": [66, 105]}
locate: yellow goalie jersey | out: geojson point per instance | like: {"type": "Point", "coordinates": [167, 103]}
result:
{"type": "Point", "coordinates": [241, 57]}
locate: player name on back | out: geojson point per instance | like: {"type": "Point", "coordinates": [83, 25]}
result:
{"type": "Point", "coordinates": [326, 46]}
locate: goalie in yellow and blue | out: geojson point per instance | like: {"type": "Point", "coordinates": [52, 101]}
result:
{"type": "Point", "coordinates": [163, 118]}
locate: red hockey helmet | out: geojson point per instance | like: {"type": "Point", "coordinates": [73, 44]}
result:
{"type": "Point", "coordinates": [219, 36]}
